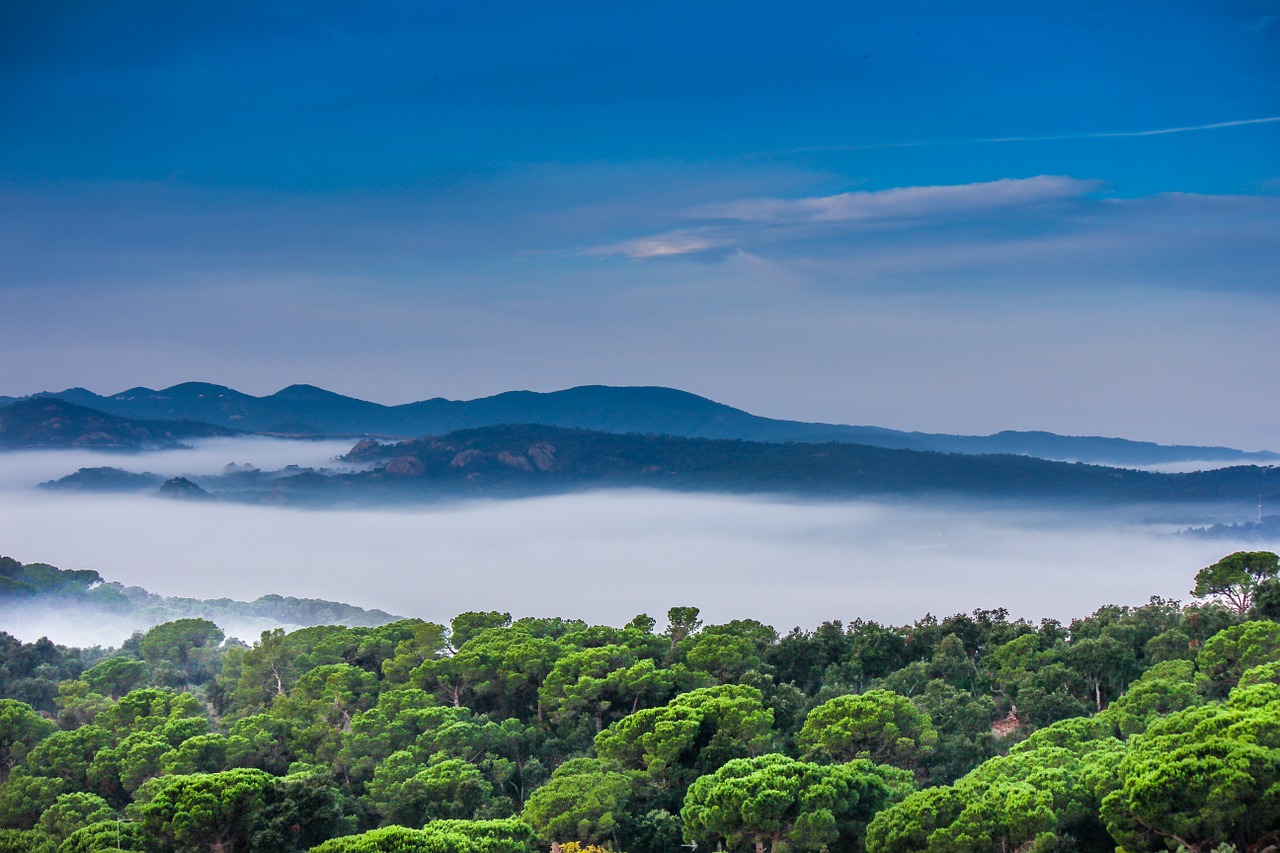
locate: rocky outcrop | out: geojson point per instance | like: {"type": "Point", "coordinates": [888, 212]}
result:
{"type": "Point", "coordinates": [515, 460]}
{"type": "Point", "coordinates": [543, 456]}
{"type": "Point", "coordinates": [363, 447]}
{"type": "Point", "coordinates": [1008, 725]}
{"type": "Point", "coordinates": [406, 466]}
{"type": "Point", "coordinates": [465, 458]}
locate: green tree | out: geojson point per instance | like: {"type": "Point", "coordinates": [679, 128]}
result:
{"type": "Point", "coordinates": [109, 836]}
{"type": "Point", "coordinates": [1230, 652]}
{"type": "Point", "coordinates": [581, 802]}
{"type": "Point", "coordinates": [67, 755]}
{"type": "Point", "coordinates": [20, 729]}
{"type": "Point", "coordinates": [1035, 798]}
{"type": "Point", "coordinates": [1164, 688]}
{"type": "Point", "coordinates": [1235, 578]}
{"type": "Point", "coordinates": [487, 836]}
{"type": "Point", "coordinates": [692, 735]}
{"type": "Point", "coordinates": [682, 622]}
{"type": "Point", "coordinates": [1199, 778]}
{"type": "Point", "coordinates": [878, 725]}
{"type": "Point", "coordinates": [23, 798]}
{"type": "Point", "coordinates": [187, 644]}
{"type": "Point", "coordinates": [499, 670]}
{"type": "Point", "coordinates": [722, 656]}
{"type": "Point", "coordinates": [1106, 663]}
{"type": "Point", "coordinates": [118, 771]}
{"type": "Point", "coordinates": [154, 710]}
{"type": "Point", "coordinates": [1266, 600]}
{"type": "Point", "coordinates": [404, 791]}
{"type": "Point", "coordinates": [78, 705]}
{"type": "Point", "coordinates": [321, 705]}
{"type": "Point", "coordinates": [26, 841]}
{"type": "Point", "coordinates": [116, 676]}
{"type": "Point", "coordinates": [466, 625]}
{"type": "Point", "coordinates": [963, 724]}
{"type": "Point", "coordinates": [261, 741]}
{"type": "Point", "coordinates": [199, 754]}
{"type": "Point", "coordinates": [597, 681]}
{"type": "Point", "coordinates": [299, 811]}
{"type": "Point", "coordinates": [264, 672]}
{"type": "Point", "coordinates": [775, 802]}
{"type": "Point", "coordinates": [426, 643]}
{"type": "Point", "coordinates": [203, 811]}
{"type": "Point", "coordinates": [73, 811]}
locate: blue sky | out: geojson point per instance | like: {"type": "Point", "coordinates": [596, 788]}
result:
{"type": "Point", "coordinates": [929, 215]}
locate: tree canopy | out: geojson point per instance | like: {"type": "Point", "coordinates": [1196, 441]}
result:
{"type": "Point", "coordinates": [1135, 727]}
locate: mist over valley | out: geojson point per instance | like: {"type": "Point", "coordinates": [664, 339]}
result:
{"type": "Point", "coordinates": [600, 555]}
{"type": "Point", "coordinates": [602, 523]}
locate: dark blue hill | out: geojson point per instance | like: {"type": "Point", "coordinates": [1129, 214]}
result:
{"type": "Point", "coordinates": [308, 410]}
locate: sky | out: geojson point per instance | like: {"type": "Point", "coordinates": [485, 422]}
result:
{"type": "Point", "coordinates": [942, 216]}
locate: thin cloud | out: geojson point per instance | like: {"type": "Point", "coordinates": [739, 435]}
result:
{"type": "Point", "coordinates": [665, 246]}
{"type": "Point", "coordinates": [731, 224]}
{"type": "Point", "coordinates": [902, 202]}
{"type": "Point", "coordinates": [990, 140]}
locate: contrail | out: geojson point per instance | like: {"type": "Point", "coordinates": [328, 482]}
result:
{"type": "Point", "coordinates": [1090, 135]}
{"type": "Point", "coordinates": [1158, 132]}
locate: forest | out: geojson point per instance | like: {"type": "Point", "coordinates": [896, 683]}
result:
{"type": "Point", "coordinates": [1137, 728]}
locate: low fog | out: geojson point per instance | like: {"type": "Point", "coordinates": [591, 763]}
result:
{"type": "Point", "coordinates": [603, 557]}
{"type": "Point", "coordinates": [21, 470]}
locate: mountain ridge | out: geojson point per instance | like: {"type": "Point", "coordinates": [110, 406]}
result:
{"type": "Point", "coordinates": [48, 422]}
{"type": "Point", "coordinates": [302, 409]}
{"type": "Point", "coordinates": [524, 460]}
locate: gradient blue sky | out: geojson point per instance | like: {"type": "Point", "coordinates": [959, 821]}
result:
{"type": "Point", "coordinates": [942, 216]}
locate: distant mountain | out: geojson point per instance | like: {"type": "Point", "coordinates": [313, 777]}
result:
{"type": "Point", "coordinates": [308, 410]}
{"type": "Point", "coordinates": [513, 461]}
{"type": "Point", "coordinates": [52, 422]}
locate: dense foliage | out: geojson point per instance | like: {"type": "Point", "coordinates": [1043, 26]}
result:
{"type": "Point", "coordinates": [1137, 728]}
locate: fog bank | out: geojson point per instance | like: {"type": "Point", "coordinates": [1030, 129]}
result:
{"type": "Point", "coordinates": [607, 556]}
{"type": "Point", "coordinates": [21, 470]}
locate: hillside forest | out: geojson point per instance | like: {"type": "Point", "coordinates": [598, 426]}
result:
{"type": "Point", "coordinates": [1136, 728]}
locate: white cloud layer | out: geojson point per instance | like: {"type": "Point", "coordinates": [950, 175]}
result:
{"type": "Point", "coordinates": [606, 556]}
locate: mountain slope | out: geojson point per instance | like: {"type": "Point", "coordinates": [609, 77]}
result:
{"type": "Point", "coordinates": [527, 459]}
{"type": "Point", "coordinates": [51, 422]}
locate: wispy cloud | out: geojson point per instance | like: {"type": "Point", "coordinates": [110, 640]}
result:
{"type": "Point", "coordinates": [666, 245]}
{"type": "Point", "coordinates": [902, 202]}
{"type": "Point", "coordinates": [1055, 137]}
{"type": "Point", "coordinates": [725, 225]}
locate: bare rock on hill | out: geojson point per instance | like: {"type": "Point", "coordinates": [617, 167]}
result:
{"type": "Point", "coordinates": [465, 458]}
{"type": "Point", "coordinates": [543, 455]}
{"type": "Point", "coordinates": [363, 447]}
{"type": "Point", "coordinates": [406, 466]}
{"type": "Point", "coordinates": [515, 460]}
